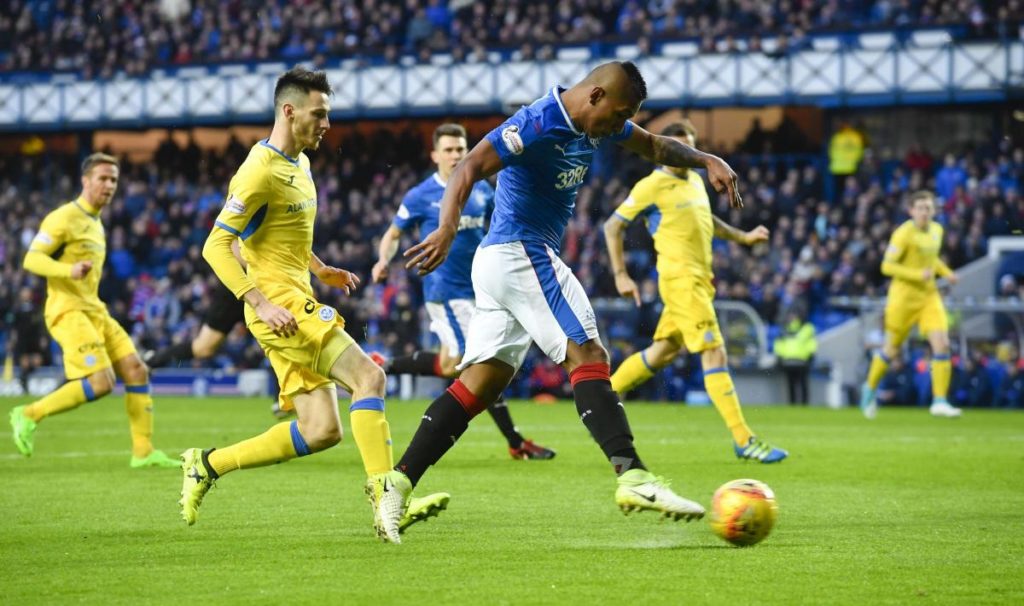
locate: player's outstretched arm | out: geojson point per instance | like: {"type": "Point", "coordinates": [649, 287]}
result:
{"type": "Point", "coordinates": [386, 251]}
{"type": "Point", "coordinates": [481, 162]}
{"type": "Point", "coordinates": [748, 238]}
{"type": "Point", "coordinates": [334, 277]}
{"type": "Point", "coordinates": [217, 252]}
{"type": "Point", "coordinates": [614, 232]}
{"type": "Point", "coordinates": [670, 152]}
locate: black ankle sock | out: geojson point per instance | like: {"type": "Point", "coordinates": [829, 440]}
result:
{"type": "Point", "coordinates": [206, 463]}
{"type": "Point", "coordinates": [181, 351]}
{"type": "Point", "coordinates": [502, 418]}
{"type": "Point", "coordinates": [603, 414]}
{"type": "Point", "coordinates": [422, 363]}
{"type": "Point", "coordinates": [443, 423]}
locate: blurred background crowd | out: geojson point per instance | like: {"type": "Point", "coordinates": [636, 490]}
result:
{"type": "Point", "coordinates": [99, 39]}
{"type": "Point", "coordinates": [157, 284]}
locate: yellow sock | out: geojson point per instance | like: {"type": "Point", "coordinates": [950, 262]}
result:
{"type": "Point", "coordinates": [879, 364]}
{"type": "Point", "coordinates": [633, 372]}
{"type": "Point", "coordinates": [279, 443]}
{"type": "Point", "coordinates": [139, 405]}
{"type": "Point", "coordinates": [67, 397]}
{"type": "Point", "coordinates": [941, 371]}
{"type": "Point", "coordinates": [720, 388]}
{"type": "Point", "coordinates": [372, 434]}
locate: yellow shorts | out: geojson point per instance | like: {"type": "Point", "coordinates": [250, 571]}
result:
{"type": "Point", "coordinates": [91, 341]}
{"type": "Point", "coordinates": [929, 315]}
{"type": "Point", "coordinates": [688, 318]}
{"type": "Point", "coordinates": [302, 361]}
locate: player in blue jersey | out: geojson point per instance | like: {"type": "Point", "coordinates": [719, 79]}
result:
{"type": "Point", "coordinates": [448, 291]}
{"type": "Point", "coordinates": [525, 294]}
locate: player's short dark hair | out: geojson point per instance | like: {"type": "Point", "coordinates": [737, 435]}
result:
{"type": "Point", "coordinates": [637, 85]}
{"type": "Point", "coordinates": [300, 79]}
{"type": "Point", "coordinates": [93, 160]}
{"type": "Point", "coordinates": [682, 128]}
{"type": "Point", "coordinates": [449, 129]}
{"type": "Point", "coordinates": [921, 194]}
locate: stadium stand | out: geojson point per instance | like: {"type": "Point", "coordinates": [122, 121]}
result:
{"type": "Point", "coordinates": [134, 36]}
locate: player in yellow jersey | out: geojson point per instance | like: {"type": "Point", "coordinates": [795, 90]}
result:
{"type": "Point", "coordinates": [68, 251]}
{"type": "Point", "coordinates": [675, 205]}
{"type": "Point", "coordinates": [271, 207]}
{"type": "Point", "coordinates": [912, 261]}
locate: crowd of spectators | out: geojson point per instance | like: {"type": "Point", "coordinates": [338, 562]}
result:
{"type": "Point", "coordinates": [992, 379]}
{"type": "Point", "coordinates": [157, 284]}
{"type": "Point", "coordinates": [100, 39]}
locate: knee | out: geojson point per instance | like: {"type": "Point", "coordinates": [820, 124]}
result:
{"type": "Point", "coordinates": [202, 350]}
{"type": "Point", "coordinates": [486, 381]}
{"type": "Point", "coordinates": [370, 379]}
{"type": "Point", "coordinates": [321, 435]}
{"type": "Point", "coordinates": [102, 382]}
{"type": "Point", "coordinates": [136, 373]}
{"type": "Point", "coordinates": [592, 352]}
{"type": "Point", "coordinates": [715, 358]}
{"type": "Point", "coordinates": [661, 355]}
{"type": "Point", "coordinates": [448, 367]}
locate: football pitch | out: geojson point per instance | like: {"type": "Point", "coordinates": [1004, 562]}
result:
{"type": "Point", "coordinates": [905, 509]}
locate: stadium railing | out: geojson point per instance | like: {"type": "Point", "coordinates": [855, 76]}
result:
{"type": "Point", "coordinates": [846, 75]}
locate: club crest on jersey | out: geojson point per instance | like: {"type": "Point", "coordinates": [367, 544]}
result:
{"type": "Point", "coordinates": [235, 205]}
{"type": "Point", "coordinates": [327, 313]}
{"type": "Point", "coordinates": [513, 142]}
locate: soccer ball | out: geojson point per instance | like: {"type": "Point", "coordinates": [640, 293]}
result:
{"type": "Point", "coordinates": [743, 512]}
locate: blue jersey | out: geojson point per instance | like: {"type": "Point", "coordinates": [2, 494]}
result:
{"type": "Point", "coordinates": [421, 208]}
{"type": "Point", "coordinates": [545, 160]}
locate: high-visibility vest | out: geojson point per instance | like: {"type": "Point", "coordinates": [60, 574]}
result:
{"type": "Point", "coordinates": [845, 151]}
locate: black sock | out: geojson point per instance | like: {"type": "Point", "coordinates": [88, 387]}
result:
{"type": "Point", "coordinates": [502, 418]}
{"type": "Point", "coordinates": [422, 363]}
{"type": "Point", "coordinates": [443, 423]}
{"type": "Point", "coordinates": [181, 351]}
{"type": "Point", "coordinates": [206, 463]}
{"type": "Point", "coordinates": [603, 414]}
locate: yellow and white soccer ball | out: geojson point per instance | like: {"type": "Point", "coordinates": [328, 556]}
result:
{"type": "Point", "coordinates": [743, 512]}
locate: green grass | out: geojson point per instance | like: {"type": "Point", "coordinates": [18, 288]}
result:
{"type": "Point", "coordinates": [905, 509]}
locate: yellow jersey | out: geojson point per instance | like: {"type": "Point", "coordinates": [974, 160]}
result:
{"type": "Point", "coordinates": [910, 252]}
{"type": "Point", "coordinates": [271, 208]}
{"type": "Point", "coordinates": [71, 233]}
{"type": "Point", "coordinates": [678, 215]}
